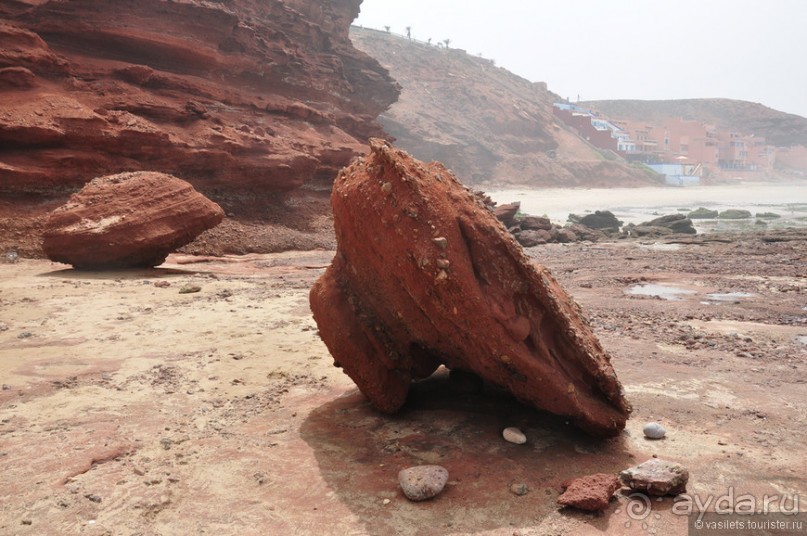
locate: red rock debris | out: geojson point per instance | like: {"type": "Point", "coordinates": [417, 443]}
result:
{"type": "Point", "coordinates": [592, 492]}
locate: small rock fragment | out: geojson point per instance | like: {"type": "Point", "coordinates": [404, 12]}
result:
{"type": "Point", "coordinates": [94, 498]}
{"type": "Point", "coordinates": [591, 492]}
{"type": "Point", "coordinates": [423, 481]}
{"type": "Point", "coordinates": [519, 489]}
{"type": "Point", "coordinates": [654, 430]}
{"type": "Point", "coordinates": [656, 477]}
{"type": "Point", "coordinates": [10, 256]}
{"type": "Point", "coordinates": [162, 284]}
{"type": "Point", "coordinates": [190, 289]}
{"type": "Point", "coordinates": [514, 435]}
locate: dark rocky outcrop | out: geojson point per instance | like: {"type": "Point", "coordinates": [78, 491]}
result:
{"type": "Point", "coordinates": [702, 213]}
{"type": "Point", "coordinates": [507, 213]}
{"type": "Point", "coordinates": [128, 220]}
{"type": "Point", "coordinates": [662, 226]}
{"type": "Point", "coordinates": [425, 275]}
{"type": "Point", "coordinates": [601, 219]}
{"type": "Point", "coordinates": [734, 214]}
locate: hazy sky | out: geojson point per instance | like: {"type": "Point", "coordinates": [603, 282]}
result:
{"type": "Point", "coordinates": [625, 49]}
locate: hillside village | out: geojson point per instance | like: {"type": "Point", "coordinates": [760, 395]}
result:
{"type": "Point", "coordinates": [683, 150]}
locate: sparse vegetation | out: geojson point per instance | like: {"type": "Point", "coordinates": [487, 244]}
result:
{"type": "Point", "coordinates": [386, 29]}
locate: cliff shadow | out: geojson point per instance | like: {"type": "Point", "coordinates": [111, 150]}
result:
{"type": "Point", "coordinates": [360, 452]}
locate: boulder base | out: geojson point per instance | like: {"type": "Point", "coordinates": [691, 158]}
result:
{"type": "Point", "coordinates": [128, 220]}
{"type": "Point", "coordinates": [425, 275]}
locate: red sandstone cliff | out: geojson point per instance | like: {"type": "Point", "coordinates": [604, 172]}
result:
{"type": "Point", "coordinates": [244, 99]}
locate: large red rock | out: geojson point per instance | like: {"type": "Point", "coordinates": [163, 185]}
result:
{"type": "Point", "coordinates": [128, 220]}
{"type": "Point", "coordinates": [425, 275]}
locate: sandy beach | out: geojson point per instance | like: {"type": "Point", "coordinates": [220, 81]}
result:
{"type": "Point", "coordinates": [197, 398]}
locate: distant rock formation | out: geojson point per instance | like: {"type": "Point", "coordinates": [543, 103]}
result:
{"type": "Point", "coordinates": [425, 275]}
{"type": "Point", "coordinates": [601, 219]}
{"type": "Point", "coordinates": [662, 226]}
{"type": "Point", "coordinates": [128, 220]}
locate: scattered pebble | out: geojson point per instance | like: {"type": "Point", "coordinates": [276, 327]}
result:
{"type": "Point", "coordinates": [6, 387]}
{"type": "Point", "coordinates": [189, 289]}
{"type": "Point", "coordinates": [423, 481]}
{"type": "Point", "coordinates": [654, 430]}
{"type": "Point", "coordinates": [519, 489]}
{"type": "Point", "coordinates": [25, 335]}
{"type": "Point", "coordinates": [514, 435]}
{"type": "Point", "coordinates": [385, 502]}
{"type": "Point", "coordinates": [94, 498]}
{"type": "Point", "coordinates": [162, 284]}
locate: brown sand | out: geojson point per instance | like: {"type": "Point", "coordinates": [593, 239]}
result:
{"type": "Point", "coordinates": [131, 408]}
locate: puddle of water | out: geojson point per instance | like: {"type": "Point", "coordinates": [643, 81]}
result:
{"type": "Point", "coordinates": [665, 292]}
{"type": "Point", "coordinates": [729, 296]}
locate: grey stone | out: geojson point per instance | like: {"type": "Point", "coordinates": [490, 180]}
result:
{"type": "Point", "coordinates": [423, 481]}
{"type": "Point", "coordinates": [656, 477]}
{"type": "Point", "coordinates": [654, 430]}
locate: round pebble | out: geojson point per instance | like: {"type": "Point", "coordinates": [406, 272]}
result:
{"type": "Point", "coordinates": [654, 430]}
{"type": "Point", "coordinates": [514, 435]}
{"type": "Point", "coordinates": [423, 481]}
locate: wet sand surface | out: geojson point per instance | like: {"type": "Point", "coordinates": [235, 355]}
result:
{"type": "Point", "coordinates": [197, 398]}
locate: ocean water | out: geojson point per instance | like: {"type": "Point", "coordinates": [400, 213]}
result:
{"type": "Point", "coordinates": [636, 205]}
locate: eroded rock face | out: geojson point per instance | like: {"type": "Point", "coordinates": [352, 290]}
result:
{"type": "Point", "coordinates": [425, 275]}
{"type": "Point", "coordinates": [245, 95]}
{"type": "Point", "coordinates": [128, 220]}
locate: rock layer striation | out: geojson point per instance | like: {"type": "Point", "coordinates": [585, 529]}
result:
{"type": "Point", "coordinates": [425, 275]}
{"type": "Point", "coordinates": [238, 97]}
{"type": "Point", "coordinates": [128, 220]}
